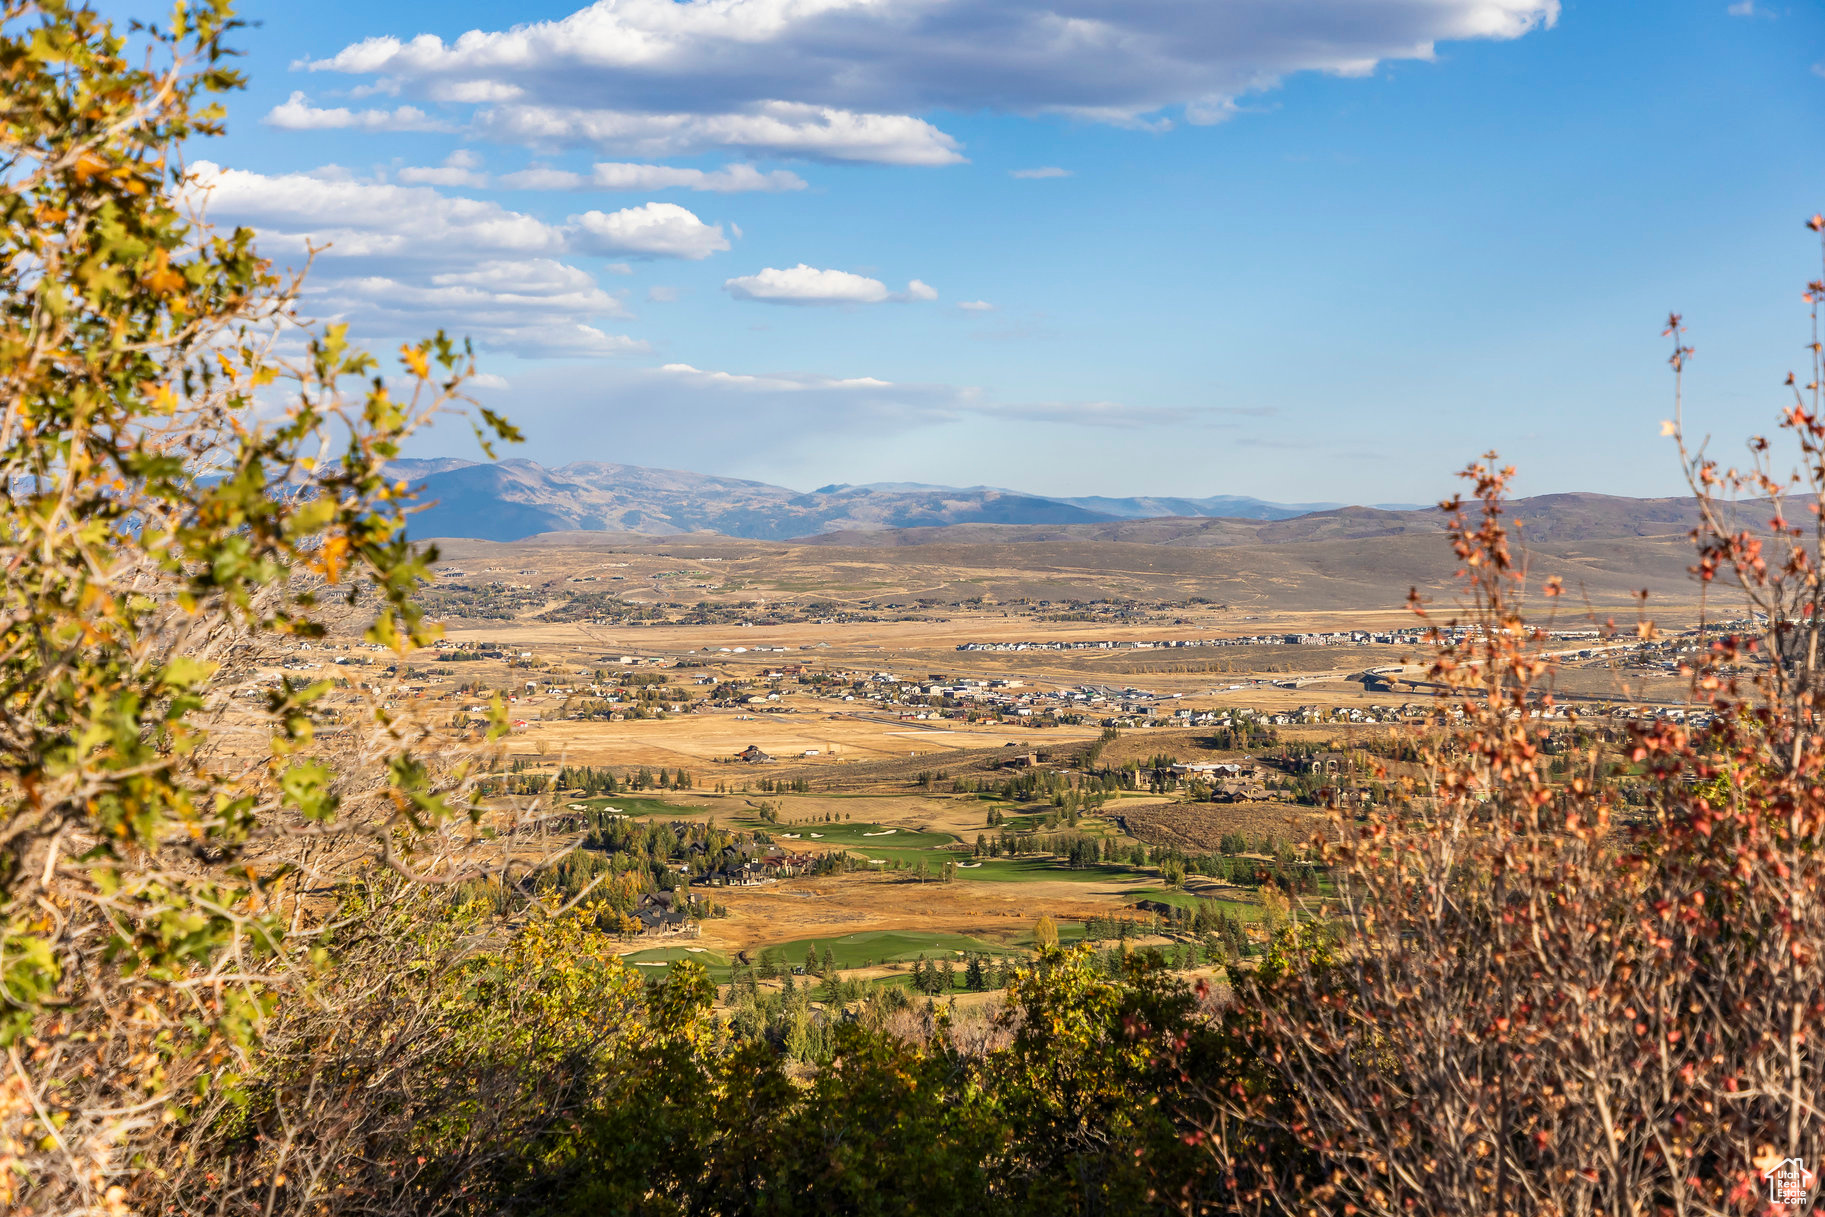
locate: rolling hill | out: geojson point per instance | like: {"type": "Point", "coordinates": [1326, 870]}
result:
{"type": "Point", "coordinates": [511, 499]}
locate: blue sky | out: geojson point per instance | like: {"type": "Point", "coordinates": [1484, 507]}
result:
{"type": "Point", "coordinates": [1299, 249]}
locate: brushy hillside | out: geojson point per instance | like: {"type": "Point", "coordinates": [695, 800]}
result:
{"type": "Point", "coordinates": [266, 948]}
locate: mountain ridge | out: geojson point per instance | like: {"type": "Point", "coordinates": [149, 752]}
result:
{"type": "Point", "coordinates": [512, 500]}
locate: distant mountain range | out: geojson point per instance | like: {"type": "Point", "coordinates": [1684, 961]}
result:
{"type": "Point", "coordinates": [512, 499]}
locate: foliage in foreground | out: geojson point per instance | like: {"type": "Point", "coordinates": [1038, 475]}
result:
{"type": "Point", "coordinates": [1532, 997]}
{"type": "Point", "coordinates": [179, 503]}
{"type": "Point", "coordinates": [230, 987]}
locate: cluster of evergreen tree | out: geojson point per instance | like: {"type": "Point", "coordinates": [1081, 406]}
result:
{"type": "Point", "coordinates": [589, 779]}
{"type": "Point", "coordinates": [932, 977]}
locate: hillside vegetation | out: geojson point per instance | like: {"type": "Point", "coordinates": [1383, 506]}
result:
{"type": "Point", "coordinates": [289, 947]}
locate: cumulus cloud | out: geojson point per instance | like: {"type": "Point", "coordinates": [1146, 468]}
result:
{"type": "Point", "coordinates": [296, 113]}
{"type": "Point", "coordinates": [804, 284]}
{"type": "Point", "coordinates": [776, 128]}
{"type": "Point", "coordinates": [460, 168]}
{"type": "Point", "coordinates": [531, 307]}
{"type": "Point", "coordinates": [653, 230]}
{"type": "Point", "coordinates": [1043, 172]}
{"type": "Point", "coordinates": [400, 261]}
{"type": "Point", "coordinates": [540, 178]}
{"type": "Point", "coordinates": [364, 219]}
{"type": "Point", "coordinates": [612, 175]}
{"type": "Point", "coordinates": [845, 79]}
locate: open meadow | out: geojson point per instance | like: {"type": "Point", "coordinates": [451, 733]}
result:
{"type": "Point", "coordinates": [950, 739]}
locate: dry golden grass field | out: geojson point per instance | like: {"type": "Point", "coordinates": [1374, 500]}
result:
{"type": "Point", "coordinates": [824, 657]}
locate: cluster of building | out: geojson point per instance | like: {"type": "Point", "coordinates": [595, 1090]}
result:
{"type": "Point", "coordinates": [1335, 638]}
{"type": "Point", "coordinates": [1410, 636]}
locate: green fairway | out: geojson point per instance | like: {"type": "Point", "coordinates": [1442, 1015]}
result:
{"type": "Point", "coordinates": [1173, 896]}
{"type": "Point", "coordinates": [872, 947]}
{"type": "Point", "coordinates": [655, 961]}
{"type": "Point", "coordinates": [887, 946]}
{"type": "Point", "coordinates": [1029, 869]}
{"type": "Point", "coordinates": [864, 836]}
{"type": "Point", "coordinates": [633, 805]}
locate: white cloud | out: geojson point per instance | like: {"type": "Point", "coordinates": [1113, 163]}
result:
{"type": "Point", "coordinates": [975, 306]}
{"type": "Point", "coordinates": [296, 113]}
{"type": "Point", "coordinates": [660, 294]}
{"type": "Point", "coordinates": [685, 373]}
{"type": "Point", "coordinates": [460, 168]}
{"type": "Point", "coordinates": [803, 284]}
{"type": "Point", "coordinates": [1748, 8]}
{"type": "Point", "coordinates": [474, 91]}
{"type": "Point", "coordinates": [488, 380]}
{"type": "Point", "coordinates": [364, 219]}
{"type": "Point", "coordinates": [540, 178]}
{"type": "Point", "coordinates": [771, 128]}
{"type": "Point", "coordinates": [845, 79]}
{"type": "Point", "coordinates": [611, 175]}
{"type": "Point", "coordinates": [653, 230]}
{"type": "Point", "coordinates": [869, 401]}
{"type": "Point", "coordinates": [533, 307]}
{"type": "Point", "coordinates": [1044, 172]}
{"type": "Point", "coordinates": [403, 261]}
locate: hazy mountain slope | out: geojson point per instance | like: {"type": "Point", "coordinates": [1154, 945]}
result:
{"type": "Point", "coordinates": [1358, 574]}
{"type": "Point", "coordinates": [1554, 518]}
{"type": "Point", "coordinates": [512, 499]}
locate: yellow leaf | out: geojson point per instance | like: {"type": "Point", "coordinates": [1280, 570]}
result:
{"type": "Point", "coordinates": [332, 559]}
{"type": "Point", "coordinates": [416, 361]}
